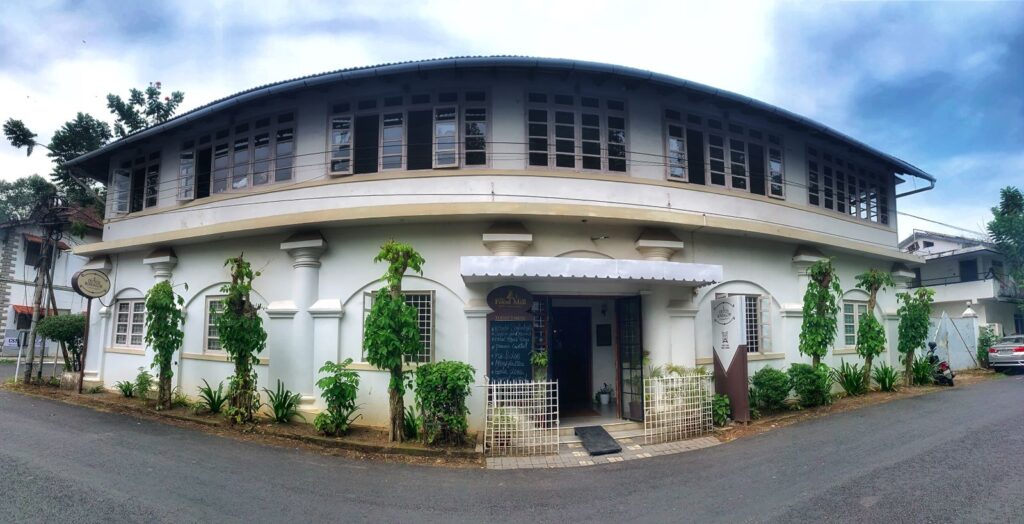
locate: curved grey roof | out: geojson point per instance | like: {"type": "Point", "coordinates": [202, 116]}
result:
{"type": "Point", "coordinates": [483, 62]}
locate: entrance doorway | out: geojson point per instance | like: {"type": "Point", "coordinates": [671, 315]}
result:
{"type": "Point", "coordinates": [570, 359]}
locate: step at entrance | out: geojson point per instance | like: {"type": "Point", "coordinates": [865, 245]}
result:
{"type": "Point", "coordinates": [597, 441]}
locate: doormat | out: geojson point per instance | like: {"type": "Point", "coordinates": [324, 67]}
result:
{"type": "Point", "coordinates": [597, 441]}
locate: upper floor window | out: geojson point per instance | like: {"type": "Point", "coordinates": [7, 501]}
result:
{"type": "Point", "coordinates": [235, 158]}
{"type": "Point", "coordinates": [705, 150]}
{"type": "Point", "coordinates": [421, 131]}
{"type": "Point", "coordinates": [135, 184]}
{"type": "Point", "coordinates": [839, 185]}
{"type": "Point", "coordinates": [576, 132]}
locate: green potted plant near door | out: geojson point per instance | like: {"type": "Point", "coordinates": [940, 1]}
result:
{"type": "Point", "coordinates": [604, 395]}
{"type": "Point", "coordinates": [539, 361]}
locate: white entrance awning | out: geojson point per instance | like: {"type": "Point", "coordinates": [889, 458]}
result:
{"type": "Point", "coordinates": [509, 268]}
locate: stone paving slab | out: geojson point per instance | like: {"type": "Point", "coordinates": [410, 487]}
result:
{"type": "Point", "coordinates": [572, 455]}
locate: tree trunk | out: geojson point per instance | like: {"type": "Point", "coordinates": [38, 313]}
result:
{"type": "Point", "coordinates": [37, 299]}
{"type": "Point", "coordinates": [867, 372]}
{"type": "Point", "coordinates": [164, 399]}
{"type": "Point", "coordinates": [396, 432]}
{"type": "Point", "coordinates": [908, 369]}
{"type": "Point", "coordinates": [815, 360]}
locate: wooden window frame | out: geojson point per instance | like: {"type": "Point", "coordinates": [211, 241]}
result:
{"type": "Point", "coordinates": [207, 325]}
{"type": "Point", "coordinates": [603, 112]}
{"type": "Point", "coordinates": [129, 324]}
{"type": "Point", "coordinates": [858, 189]}
{"type": "Point", "coordinates": [859, 308]}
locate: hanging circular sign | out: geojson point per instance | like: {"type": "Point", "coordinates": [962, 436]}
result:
{"type": "Point", "coordinates": [507, 299]}
{"type": "Point", "coordinates": [90, 283]}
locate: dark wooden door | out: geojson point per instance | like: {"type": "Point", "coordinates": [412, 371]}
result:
{"type": "Point", "coordinates": [631, 357]}
{"type": "Point", "coordinates": [570, 354]}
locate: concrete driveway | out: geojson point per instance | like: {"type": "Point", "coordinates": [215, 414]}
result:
{"type": "Point", "coordinates": [938, 457]}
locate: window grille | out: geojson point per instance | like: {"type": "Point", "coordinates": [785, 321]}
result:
{"type": "Point", "coordinates": [678, 406]}
{"type": "Point", "coordinates": [521, 418]}
{"type": "Point", "coordinates": [423, 301]}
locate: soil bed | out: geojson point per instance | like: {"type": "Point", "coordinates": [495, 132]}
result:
{"type": "Point", "coordinates": [778, 420]}
{"type": "Point", "coordinates": [360, 442]}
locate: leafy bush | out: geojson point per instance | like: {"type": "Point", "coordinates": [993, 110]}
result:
{"type": "Point", "coordinates": [754, 398]}
{"type": "Point", "coordinates": [284, 403]}
{"type": "Point", "coordinates": [164, 318]}
{"type": "Point", "coordinates": [923, 371]}
{"type": "Point", "coordinates": [850, 377]}
{"type": "Point", "coordinates": [126, 388]}
{"type": "Point", "coordinates": [886, 377]}
{"type": "Point", "coordinates": [339, 389]}
{"type": "Point", "coordinates": [413, 422]}
{"type": "Point", "coordinates": [812, 384]}
{"type": "Point", "coordinates": [143, 383]}
{"type": "Point", "coordinates": [720, 410]}
{"type": "Point", "coordinates": [68, 329]}
{"type": "Point", "coordinates": [242, 336]}
{"type": "Point", "coordinates": [770, 388]}
{"type": "Point", "coordinates": [212, 399]}
{"type": "Point", "coordinates": [986, 339]}
{"type": "Point", "coordinates": [441, 391]}
{"type": "Point", "coordinates": [98, 388]}
{"type": "Point", "coordinates": [179, 399]}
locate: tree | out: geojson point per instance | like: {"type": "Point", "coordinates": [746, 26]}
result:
{"type": "Point", "coordinates": [870, 333]}
{"type": "Point", "coordinates": [164, 319]}
{"type": "Point", "coordinates": [821, 309]}
{"type": "Point", "coordinates": [22, 200]}
{"type": "Point", "coordinates": [915, 310]}
{"type": "Point", "coordinates": [142, 109]}
{"type": "Point", "coordinates": [1007, 230]}
{"type": "Point", "coordinates": [391, 333]}
{"type": "Point", "coordinates": [68, 330]}
{"type": "Point", "coordinates": [242, 336]}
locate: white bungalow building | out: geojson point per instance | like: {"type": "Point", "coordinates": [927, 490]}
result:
{"type": "Point", "coordinates": [623, 201]}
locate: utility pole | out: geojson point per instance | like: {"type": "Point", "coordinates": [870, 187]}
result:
{"type": "Point", "coordinates": [42, 269]}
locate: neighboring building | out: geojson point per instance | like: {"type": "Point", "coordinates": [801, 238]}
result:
{"type": "Point", "coordinates": [624, 201]}
{"type": "Point", "coordinates": [967, 271]}
{"type": "Point", "coordinates": [21, 248]}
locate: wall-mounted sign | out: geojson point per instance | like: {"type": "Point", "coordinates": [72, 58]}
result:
{"type": "Point", "coordinates": [510, 299]}
{"type": "Point", "coordinates": [729, 344]}
{"type": "Point", "coordinates": [90, 283]}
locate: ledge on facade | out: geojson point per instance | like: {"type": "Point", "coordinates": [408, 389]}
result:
{"type": "Point", "coordinates": [507, 239]}
{"type": "Point", "coordinates": [363, 366]}
{"type": "Point", "coordinates": [214, 357]}
{"type": "Point", "coordinates": [125, 351]}
{"type": "Point", "coordinates": [282, 309]}
{"type": "Point", "coordinates": [808, 255]}
{"type": "Point", "coordinates": [327, 308]}
{"type": "Point", "coordinates": [101, 263]}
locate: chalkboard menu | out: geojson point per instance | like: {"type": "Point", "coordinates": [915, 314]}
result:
{"type": "Point", "coordinates": [510, 343]}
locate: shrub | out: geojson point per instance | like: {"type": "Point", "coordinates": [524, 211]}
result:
{"type": "Point", "coordinates": [850, 377]}
{"type": "Point", "coordinates": [812, 384]}
{"type": "Point", "coordinates": [284, 403]}
{"type": "Point", "coordinates": [242, 336]}
{"type": "Point", "coordinates": [164, 317]}
{"type": "Point", "coordinates": [66, 329]}
{"type": "Point", "coordinates": [126, 388]}
{"type": "Point", "coordinates": [143, 383]}
{"type": "Point", "coordinates": [179, 399]}
{"type": "Point", "coordinates": [886, 377]}
{"type": "Point", "coordinates": [755, 401]}
{"type": "Point", "coordinates": [212, 399]}
{"type": "Point", "coordinates": [770, 389]}
{"type": "Point", "coordinates": [441, 391]}
{"type": "Point", "coordinates": [413, 422]}
{"type": "Point", "coordinates": [98, 388]}
{"type": "Point", "coordinates": [986, 339]}
{"type": "Point", "coordinates": [923, 371]}
{"type": "Point", "coordinates": [720, 410]}
{"type": "Point", "coordinates": [339, 389]}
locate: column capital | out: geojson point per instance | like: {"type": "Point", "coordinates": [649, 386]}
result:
{"type": "Point", "coordinates": [162, 261]}
{"type": "Point", "coordinates": [305, 248]}
{"type": "Point", "coordinates": [658, 244]}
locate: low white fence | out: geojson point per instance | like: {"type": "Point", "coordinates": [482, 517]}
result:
{"type": "Point", "coordinates": [677, 406]}
{"type": "Point", "coordinates": [521, 418]}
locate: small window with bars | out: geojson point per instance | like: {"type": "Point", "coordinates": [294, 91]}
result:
{"type": "Point", "coordinates": [214, 309]}
{"type": "Point", "coordinates": [423, 301]}
{"type": "Point", "coordinates": [130, 324]}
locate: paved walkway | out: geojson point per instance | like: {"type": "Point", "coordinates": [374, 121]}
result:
{"type": "Point", "coordinates": [572, 455]}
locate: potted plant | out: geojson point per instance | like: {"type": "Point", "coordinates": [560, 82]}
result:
{"type": "Point", "coordinates": [539, 361]}
{"type": "Point", "coordinates": [604, 395]}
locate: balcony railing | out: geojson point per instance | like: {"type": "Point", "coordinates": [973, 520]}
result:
{"type": "Point", "coordinates": [1003, 286]}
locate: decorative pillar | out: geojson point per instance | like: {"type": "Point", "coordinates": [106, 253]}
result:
{"type": "Point", "coordinates": [658, 244]}
{"type": "Point", "coordinates": [99, 325]}
{"type": "Point", "coordinates": [902, 276]}
{"type": "Point", "coordinates": [326, 314]}
{"type": "Point", "coordinates": [305, 250]}
{"type": "Point", "coordinates": [162, 261]}
{"type": "Point", "coordinates": [682, 318]}
{"type": "Point", "coordinates": [476, 311]}
{"type": "Point", "coordinates": [803, 259]}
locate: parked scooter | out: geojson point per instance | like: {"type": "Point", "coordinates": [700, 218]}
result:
{"type": "Point", "coordinates": [943, 374]}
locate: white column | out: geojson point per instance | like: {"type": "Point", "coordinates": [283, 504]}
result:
{"type": "Point", "coordinates": [305, 250]}
{"type": "Point", "coordinates": [476, 355]}
{"type": "Point", "coordinates": [326, 314]}
{"type": "Point", "coordinates": [682, 333]}
{"type": "Point", "coordinates": [656, 325]}
{"type": "Point", "coordinates": [162, 262]}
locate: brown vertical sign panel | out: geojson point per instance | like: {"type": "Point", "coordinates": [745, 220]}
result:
{"type": "Point", "coordinates": [728, 317]}
{"type": "Point", "coordinates": [509, 335]}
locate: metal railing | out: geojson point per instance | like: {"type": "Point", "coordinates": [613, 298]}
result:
{"type": "Point", "coordinates": [521, 418]}
{"type": "Point", "coordinates": [678, 406]}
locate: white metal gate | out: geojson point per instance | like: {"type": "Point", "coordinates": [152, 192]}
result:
{"type": "Point", "coordinates": [521, 418]}
{"type": "Point", "coordinates": [677, 406]}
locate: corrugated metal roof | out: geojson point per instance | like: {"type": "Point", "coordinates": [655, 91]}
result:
{"type": "Point", "coordinates": [502, 61]}
{"type": "Point", "coordinates": [505, 268]}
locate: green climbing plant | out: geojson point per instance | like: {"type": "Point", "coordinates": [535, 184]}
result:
{"type": "Point", "coordinates": [870, 333]}
{"type": "Point", "coordinates": [243, 338]}
{"type": "Point", "coordinates": [391, 334]}
{"type": "Point", "coordinates": [164, 319]}
{"type": "Point", "coordinates": [821, 310]}
{"type": "Point", "coordinates": [915, 309]}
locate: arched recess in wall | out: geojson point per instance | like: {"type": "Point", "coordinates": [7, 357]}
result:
{"type": "Point", "coordinates": [584, 253]}
{"type": "Point", "coordinates": [744, 287]}
{"type": "Point", "coordinates": [860, 295]}
{"type": "Point", "coordinates": [772, 344]}
{"type": "Point", "coordinates": [215, 288]}
{"type": "Point", "coordinates": [129, 292]}
{"type": "Point", "coordinates": [376, 284]}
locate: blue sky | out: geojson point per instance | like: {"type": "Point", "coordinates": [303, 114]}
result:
{"type": "Point", "coordinates": [940, 84]}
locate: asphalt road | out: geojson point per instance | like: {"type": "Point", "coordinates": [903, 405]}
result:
{"type": "Point", "coordinates": [951, 456]}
